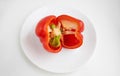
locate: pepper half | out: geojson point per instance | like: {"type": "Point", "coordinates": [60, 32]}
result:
{"type": "Point", "coordinates": [71, 31]}
{"type": "Point", "coordinates": [46, 31]}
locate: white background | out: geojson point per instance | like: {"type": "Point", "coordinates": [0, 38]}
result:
{"type": "Point", "coordinates": [103, 13]}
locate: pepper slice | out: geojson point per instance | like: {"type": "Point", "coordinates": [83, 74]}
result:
{"type": "Point", "coordinates": [43, 31]}
{"type": "Point", "coordinates": [71, 31]}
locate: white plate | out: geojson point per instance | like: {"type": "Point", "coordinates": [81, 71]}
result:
{"type": "Point", "coordinates": [66, 60]}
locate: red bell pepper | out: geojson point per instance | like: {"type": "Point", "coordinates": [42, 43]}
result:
{"type": "Point", "coordinates": [42, 31]}
{"type": "Point", "coordinates": [71, 36]}
{"type": "Point", "coordinates": [55, 32]}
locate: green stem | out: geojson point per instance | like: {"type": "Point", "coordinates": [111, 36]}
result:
{"type": "Point", "coordinates": [55, 42]}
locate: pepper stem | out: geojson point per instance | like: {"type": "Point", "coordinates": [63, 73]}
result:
{"type": "Point", "coordinates": [52, 26]}
{"type": "Point", "coordinates": [55, 42]}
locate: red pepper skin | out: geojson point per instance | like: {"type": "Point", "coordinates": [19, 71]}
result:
{"type": "Point", "coordinates": [42, 32]}
{"type": "Point", "coordinates": [72, 41]}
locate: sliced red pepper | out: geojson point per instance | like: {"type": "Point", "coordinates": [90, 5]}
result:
{"type": "Point", "coordinates": [73, 37]}
{"type": "Point", "coordinates": [43, 33]}
{"type": "Point", "coordinates": [70, 35]}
